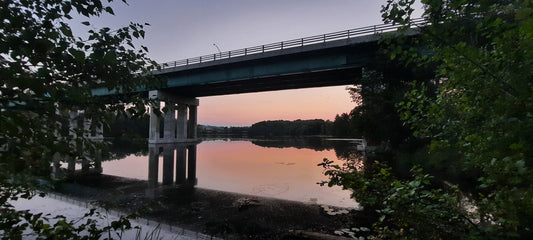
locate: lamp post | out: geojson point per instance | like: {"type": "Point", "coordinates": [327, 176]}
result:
{"type": "Point", "coordinates": [219, 52]}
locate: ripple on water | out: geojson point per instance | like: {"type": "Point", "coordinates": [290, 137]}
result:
{"type": "Point", "coordinates": [271, 189]}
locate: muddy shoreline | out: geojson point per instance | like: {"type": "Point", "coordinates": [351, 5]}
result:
{"type": "Point", "coordinates": [216, 213]}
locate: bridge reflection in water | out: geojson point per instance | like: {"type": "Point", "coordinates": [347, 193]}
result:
{"type": "Point", "coordinates": [265, 168]}
{"type": "Point", "coordinates": [179, 163]}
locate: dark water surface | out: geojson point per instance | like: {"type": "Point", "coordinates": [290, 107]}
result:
{"type": "Point", "coordinates": [284, 169]}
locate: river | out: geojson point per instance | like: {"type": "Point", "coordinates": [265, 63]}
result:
{"type": "Point", "coordinates": [283, 168]}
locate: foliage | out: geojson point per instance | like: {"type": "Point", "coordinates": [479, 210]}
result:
{"type": "Point", "coordinates": [475, 115]}
{"type": "Point", "coordinates": [483, 107]}
{"type": "Point", "coordinates": [127, 128]}
{"type": "Point", "coordinates": [376, 94]}
{"type": "Point", "coordinates": [401, 208]}
{"type": "Point", "coordinates": [46, 74]}
{"type": "Point", "coordinates": [342, 126]}
{"type": "Point", "coordinates": [206, 130]}
{"type": "Point", "coordinates": [59, 227]}
{"type": "Point", "coordinates": [290, 128]}
{"type": "Point", "coordinates": [383, 84]}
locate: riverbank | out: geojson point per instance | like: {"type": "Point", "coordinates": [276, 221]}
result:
{"type": "Point", "coordinates": [58, 205]}
{"type": "Point", "coordinates": [221, 214]}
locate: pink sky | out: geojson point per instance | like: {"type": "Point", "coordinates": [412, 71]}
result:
{"type": "Point", "coordinates": [183, 29]}
{"type": "Point", "coordinates": [246, 109]}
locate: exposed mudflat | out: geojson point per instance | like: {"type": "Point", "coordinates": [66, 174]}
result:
{"type": "Point", "coordinates": [216, 213]}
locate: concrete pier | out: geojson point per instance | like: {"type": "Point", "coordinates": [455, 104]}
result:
{"type": "Point", "coordinates": [81, 125]}
{"type": "Point", "coordinates": [179, 118]}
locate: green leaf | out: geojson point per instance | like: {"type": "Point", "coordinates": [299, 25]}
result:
{"type": "Point", "coordinates": [109, 10]}
{"type": "Point", "coordinates": [516, 146]}
{"type": "Point", "coordinates": [65, 29]}
{"type": "Point", "coordinates": [78, 55]}
{"type": "Point", "coordinates": [110, 57]}
{"type": "Point", "coordinates": [86, 23]}
{"type": "Point", "coordinates": [415, 183]}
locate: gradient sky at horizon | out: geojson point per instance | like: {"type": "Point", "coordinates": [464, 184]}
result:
{"type": "Point", "coordinates": [182, 29]}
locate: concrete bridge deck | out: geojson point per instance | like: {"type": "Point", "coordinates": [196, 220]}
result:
{"type": "Point", "coordinates": [323, 60]}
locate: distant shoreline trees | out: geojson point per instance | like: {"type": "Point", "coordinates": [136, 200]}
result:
{"type": "Point", "coordinates": [291, 128]}
{"type": "Point", "coordinates": [340, 127]}
{"type": "Point", "coordinates": [122, 127]}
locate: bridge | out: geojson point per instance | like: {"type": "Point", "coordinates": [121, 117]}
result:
{"type": "Point", "coordinates": [330, 59]}
{"type": "Point", "coordinates": [324, 60]}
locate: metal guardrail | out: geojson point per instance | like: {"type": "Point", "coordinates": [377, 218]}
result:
{"type": "Point", "coordinates": [300, 42]}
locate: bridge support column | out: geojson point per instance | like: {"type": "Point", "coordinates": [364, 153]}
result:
{"type": "Point", "coordinates": [169, 131]}
{"type": "Point", "coordinates": [56, 165]}
{"type": "Point", "coordinates": [178, 129]}
{"type": "Point", "coordinates": [154, 121]}
{"type": "Point", "coordinates": [85, 165]}
{"type": "Point", "coordinates": [94, 132]}
{"type": "Point", "coordinates": [73, 124]}
{"type": "Point", "coordinates": [81, 125]}
{"type": "Point", "coordinates": [193, 122]}
{"type": "Point", "coordinates": [182, 122]}
{"type": "Point", "coordinates": [98, 161]}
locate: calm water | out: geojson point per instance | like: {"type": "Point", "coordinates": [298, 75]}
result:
{"type": "Point", "coordinates": [284, 169]}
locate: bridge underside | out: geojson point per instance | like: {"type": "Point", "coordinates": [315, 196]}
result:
{"type": "Point", "coordinates": [321, 78]}
{"type": "Point", "coordinates": [320, 65]}
{"type": "Point", "coordinates": [312, 66]}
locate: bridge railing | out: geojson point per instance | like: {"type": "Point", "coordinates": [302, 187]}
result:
{"type": "Point", "coordinates": [300, 42]}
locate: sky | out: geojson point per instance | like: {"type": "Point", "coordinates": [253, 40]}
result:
{"type": "Point", "coordinates": [182, 29]}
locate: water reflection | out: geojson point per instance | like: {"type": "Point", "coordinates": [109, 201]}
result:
{"type": "Point", "coordinates": [180, 155]}
{"type": "Point", "coordinates": [344, 148]}
{"type": "Point", "coordinates": [264, 168]}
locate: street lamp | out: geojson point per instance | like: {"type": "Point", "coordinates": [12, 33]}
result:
{"type": "Point", "coordinates": [219, 52]}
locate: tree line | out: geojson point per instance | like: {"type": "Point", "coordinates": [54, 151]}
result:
{"type": "Point", "coordinates": [290, 128]}
{"type": "Point", "coordinates": [342, 126]}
